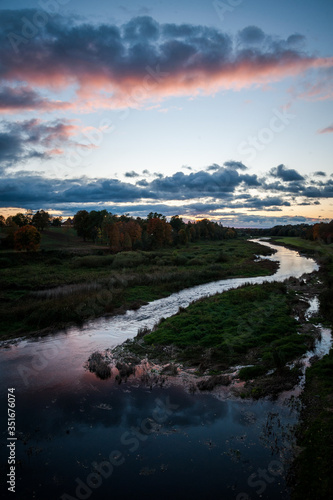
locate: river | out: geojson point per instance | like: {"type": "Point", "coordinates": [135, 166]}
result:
{"type": "Point", "coordinates": [79, 437]}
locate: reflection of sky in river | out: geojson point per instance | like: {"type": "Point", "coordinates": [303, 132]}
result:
{"type": "Point", "coordinates": [57, 356]}
{"type": "Point", "coordinates": [204, 448]}
{"type": "Point", "coordinates": [68, 419]}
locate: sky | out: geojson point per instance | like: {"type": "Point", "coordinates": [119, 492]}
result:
{"type": "Point", "coordinates": [217, 109]}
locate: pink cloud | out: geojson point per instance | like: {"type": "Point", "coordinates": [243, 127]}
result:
{"type": "Point", "coordinates": [327, 130]}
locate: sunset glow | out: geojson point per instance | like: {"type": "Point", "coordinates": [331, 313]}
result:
{"type": "Point", "coordinates": [189, 110]}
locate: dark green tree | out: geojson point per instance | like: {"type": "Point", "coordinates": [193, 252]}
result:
{"type": "Point", "coordinates": [41, 220]}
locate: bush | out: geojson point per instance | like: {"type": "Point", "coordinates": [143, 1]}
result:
{"type": "Point", "coordinates": [128, 259]}
{"type": "Point", "coordinates": [249, 372]}
{"type": "Point", "coordinates": [222, 257]}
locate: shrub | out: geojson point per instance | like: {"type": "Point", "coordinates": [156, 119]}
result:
{"type": "Point", "coordinates": [128, 259]}
{"type": "Point", "coordinates": [249, 372]}
{"type": "Point", "coordinates": [27, 238]}
{"type": "Point", "coordinates": [222, 257]}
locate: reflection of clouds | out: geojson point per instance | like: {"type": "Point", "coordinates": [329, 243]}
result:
{"type": "Point", "coordinates": [60, 410]}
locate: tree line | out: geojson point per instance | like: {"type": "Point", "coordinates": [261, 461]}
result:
{"type": "Point", "coordinates": [128, 233]}
{"type": "Point", "coordinates": [321, 231]}
{"type": "Point", "coordinates": [119, 232]}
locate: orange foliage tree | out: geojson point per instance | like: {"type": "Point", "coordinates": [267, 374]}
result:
{"type": "Point", "coordinates": [27, 238]}
{"type": "Point", "coordinates": [160, 231]}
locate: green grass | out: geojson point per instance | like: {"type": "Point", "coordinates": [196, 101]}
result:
{"type": "Point", "coordinates": [302, 244]}
{"type": "Point", "coordinates": [60, 237]}
{"type": "Point", "coordinates": [253, 319]}
{"type": "Point", "coordinates": [126, 279]}
{"type": "Point", "coordinates": [313, 467]}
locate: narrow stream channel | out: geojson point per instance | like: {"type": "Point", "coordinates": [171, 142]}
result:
{"type": "Point", "coordinates": [80, 437]}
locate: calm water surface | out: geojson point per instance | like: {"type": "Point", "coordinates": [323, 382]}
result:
{"type": "Point", "coordinates": [161, 443]}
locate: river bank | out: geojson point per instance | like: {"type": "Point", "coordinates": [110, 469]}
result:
{"type": "Point", "coordinates": [244, 339]}
{"type": "Point", "coordinates": [47, 291]}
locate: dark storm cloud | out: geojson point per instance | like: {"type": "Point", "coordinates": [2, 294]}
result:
{"type": "Point", "coordinates": [219, 183]}
{"type": "Point", "coordinates": [159, 59]}
{"type": "Point", "coordinates": [286, 174]}
{"type": "Point", "coordinates": [238, 165]}
{"type": "Point", "coordinates": [26, 99]}
{"type": "Point", "coordinates": [251, 35]}
{"type": "Point", "coordinates": [131, 174]}
{"type": "Point", "coordinates": [320, 174]}
{"type": "Point", "coordinates": [21, 141]}
{"type": "Point", "coordinates": [29, 189]}
{"type": "Point", "coordinates": [191, 193]}
{"type": "Point", "coordinates": [267, 202]}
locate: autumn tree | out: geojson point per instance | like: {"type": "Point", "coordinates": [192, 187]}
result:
{"type": "Point", "coordinates": [159, 231]}
{"type": "Point", "coordinates": [27, 238]}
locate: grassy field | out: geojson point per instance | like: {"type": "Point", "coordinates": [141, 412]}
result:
{"type": "Point", "coordinates": [53, 288]}
{"type": "Point", "coordinates": [251, 323]}
{"type": "Point", "coordinates": [313, 247]}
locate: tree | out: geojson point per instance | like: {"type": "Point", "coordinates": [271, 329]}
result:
{"type": "Point", "coordinates": [41, 220]}
{"type": "Point", "coordinates": [56, 221]}
{"type": "Point", "coordinates": [20, 220]}
{"type": "Point", "coordinates": [114, 237]}
{"type": "Point", "coordinates": [160, 232]}
{"type": "Point", "coordinates": [177, 223]}
{"type": "Point", "coordinates": [2, 221]}
{"type": "Point", "coordinates": [27, 238]}
{"type": "Point", "coordinates": [81, 224]}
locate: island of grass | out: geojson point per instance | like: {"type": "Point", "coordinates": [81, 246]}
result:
{"type": "Point", "coordinates": [52, 289]}
{"type": "Point", "coordinates": [252, 326]}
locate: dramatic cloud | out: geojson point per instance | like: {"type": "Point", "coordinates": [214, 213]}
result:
{"type": "Point", "coordinates": [191, 194]}
{"type": "Point", "coordinates": [286, 174]}
{"type": "Point", "coordinates": [320, 174]}
{"type": "Point", "coordinates": [120, 66]}
{"type": "Point", "coordinates": [131, 174]}
{"type": "Point", "coordinates": [221, 182]}
{"type": "Point", "coordinates": [21, 141]}
{"type": "Point", "coordinates": [24, 98]}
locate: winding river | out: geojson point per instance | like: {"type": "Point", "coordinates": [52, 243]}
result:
{"type": "Point", "coordinates": [80, 437]}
